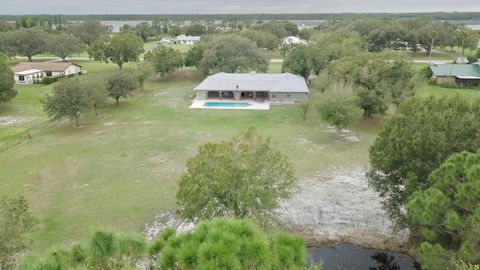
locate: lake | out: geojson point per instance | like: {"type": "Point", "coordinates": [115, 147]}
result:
{"type": "Point", "coordinates": [352, 257]}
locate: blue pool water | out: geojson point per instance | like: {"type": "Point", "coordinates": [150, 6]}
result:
{"type": "Point", "coordinates": [212, 104]}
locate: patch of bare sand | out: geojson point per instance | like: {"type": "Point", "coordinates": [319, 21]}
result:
{"type": "Point", "coordinates": [339, 207]}
{"type": "Point", "coordinates": [163, 221]}
{"type": "Point", "coordinates": [13, 121]}
{"type": "Point", "coordinates": [329, 208]}
{"type": "Point", "coordinates": [345, 134]}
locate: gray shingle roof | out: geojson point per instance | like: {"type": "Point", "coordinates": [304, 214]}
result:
{"type": "Point", "coordinates": [284, 82]}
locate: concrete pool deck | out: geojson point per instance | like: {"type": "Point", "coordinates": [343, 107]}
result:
{"type": "Point", "coordinates": [254, 105]}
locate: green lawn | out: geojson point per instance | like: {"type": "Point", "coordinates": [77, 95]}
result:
{"type": "Point", "coordinates": [438, 90]}
{"type": "Point", "coordinates": [181, 47]}
{"type": "Point", "coordinates": [122, 167]}
{"type": "Point", "coordinates": [82, 54]}
{"type": "Point", "coordinates": [275, 67]}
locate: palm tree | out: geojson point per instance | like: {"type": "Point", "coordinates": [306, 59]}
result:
{"type": "Point", "coordinates": [131, 249]}
{"type": "Point", "coordinates": [102, 249]}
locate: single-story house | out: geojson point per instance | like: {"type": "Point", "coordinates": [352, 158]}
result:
{"type": "Point", "coordinates": [34, 72]}
{"type": "Point", "coordinates": [291, 40]}
{"type": "Point", "coordinates": [183, 39]}
{"type": "Point", "coordinates": [459, 74]}
{"type": "Point", "coordinates": [274, 88]}
{"type": "Point", "coordinates": [165, 40]}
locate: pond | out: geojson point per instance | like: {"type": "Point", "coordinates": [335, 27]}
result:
{"type": "Point", "coordinates": [351, 257]}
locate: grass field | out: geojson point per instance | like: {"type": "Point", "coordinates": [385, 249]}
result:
{"type": "Point", "coordinates": [275, 67]}
{"type": "Point", "coordinates": [122, 167]}
{"type": "Point", "coordinates": [427, 90]}
{"type": "Point", "coordinates": [181, 47]}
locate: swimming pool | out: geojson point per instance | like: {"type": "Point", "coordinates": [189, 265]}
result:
{"type": "Point", "coordinates": [212, 104]}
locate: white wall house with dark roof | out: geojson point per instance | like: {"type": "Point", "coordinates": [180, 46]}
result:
{"type": "Point", "coordinates": [34, 72]}
{"type": "Point", "coordinates": [274, 88]}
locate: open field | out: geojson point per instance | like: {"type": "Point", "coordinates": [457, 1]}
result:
{"type": "Point", "coordinates": [181, 47]}
{"type": "Point", "coordinates": [427, 90]}
{"type": "Point", "coordinates": [275, 67]}
{"type": "Point", "coordinates": [122, 168]}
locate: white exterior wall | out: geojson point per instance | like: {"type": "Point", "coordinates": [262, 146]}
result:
{"type": "Point", "coordinates": [28, 79]}
{"type": "Point", "coordinates": [56, 74]}
{"type": "Point", "coordinates": [73, 70]}
{"type": "Point", "coordinates": [187, 42]}
{"type": "Point", "coordinates": [202, 94]}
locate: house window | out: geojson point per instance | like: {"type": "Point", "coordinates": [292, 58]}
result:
{"type": "Point", "coordinates": [21, 78]}
{"type": "Point", "coordinates": [49, 73]}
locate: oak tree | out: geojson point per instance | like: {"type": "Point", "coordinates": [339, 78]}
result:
{"type": "Point", "coordinates": [244, 177]}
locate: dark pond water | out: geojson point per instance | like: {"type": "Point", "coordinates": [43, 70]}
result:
{"type": "Point", "coordinates": [351, 257]}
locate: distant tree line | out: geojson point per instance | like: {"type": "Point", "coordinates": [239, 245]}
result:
{"type": "Point", "coordinates": [413, 34]}
{"type": "Point", "coordinates": [29, 42]}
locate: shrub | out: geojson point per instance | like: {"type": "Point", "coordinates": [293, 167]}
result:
{"type": "Point", "coordinates": [49, 80]}
{"type": "Point", "coordinates": [232, 244]}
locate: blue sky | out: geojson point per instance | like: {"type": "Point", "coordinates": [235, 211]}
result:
{"type": "Point", "coordinates": [230, 6]}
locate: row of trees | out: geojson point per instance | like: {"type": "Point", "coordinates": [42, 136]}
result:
{"type": "Point", "coordinates": [394, 33]}
{"type": "Point", "coordinates": [146, 30]}
{"type": "Point", "coordinates": [73, 97]}
{"type": "Point", "coordinates": [429, 183]}
{"type": "Point", "coordinates": [30, 42]}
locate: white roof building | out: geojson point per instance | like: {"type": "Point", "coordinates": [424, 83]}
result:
{"type": "Point", "coordinates": [183, 39]}
{"type": "Point", "coordinates": [291, 40]}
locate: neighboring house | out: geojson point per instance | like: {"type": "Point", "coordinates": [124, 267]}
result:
{"type": "Point", "coordinates": [165, 41]}
{"type": "Point", "coordinates": [275, 88]}
{"type": "Point", "coordinates": [32, 72]}
{"type": "Point", "coordinates": [182, 39]}
{"type": "Point", "coordinates": [457, 74]}
{"type": "Point", "coordinates": [291, 40]}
